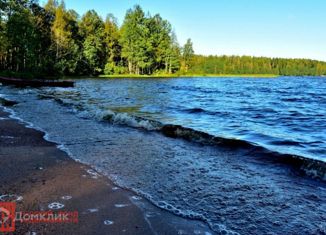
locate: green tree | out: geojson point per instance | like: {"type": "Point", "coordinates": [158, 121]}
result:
{"type": "Point", "coordinates": [160, 42]}
{"type": "Point", "coordinates": [51, 7]}
{"type": "Point", "coordinates": [3, 38]}
{"type": "Point", "coordinates": [42, 21]}
{"type": "Point", "coordinates": [61, 35]}
{"type": "Point", "coordinates": [148, 44]}
{"type": "Point", "coordinates": [114, 64]}
{"type": "Point", "coordinates": [20, 36]}
{"type": "Point", "coordinates": [54, 40]}
{"type": "Point", "coordinates": [174, 55]}
{"type": "Point", "coordinates": [134, 35]}
{"type": "Point", "coordinates": [187, 54]}
{"type": "Point", "coordinates": [65, 35]}
{"type": "Point", "coordinates": [92, 30]}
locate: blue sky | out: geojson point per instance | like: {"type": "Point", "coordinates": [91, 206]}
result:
{"type": "Point", "coordinates": [275, 28]}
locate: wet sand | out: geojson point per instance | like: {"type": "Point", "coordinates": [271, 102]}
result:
{"type": "Point", "coordinates": [38, 171]}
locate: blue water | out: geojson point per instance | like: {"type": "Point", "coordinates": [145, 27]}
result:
{"type": "Point", "coordinates": [114, 126]}
{"type": "Point", "coordinates": [286, 114]}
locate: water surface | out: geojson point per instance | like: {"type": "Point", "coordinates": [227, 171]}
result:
{"type": "Point", "coordinates": [286, 114]}
{"type": "Point", "coordinates": [105, 123]}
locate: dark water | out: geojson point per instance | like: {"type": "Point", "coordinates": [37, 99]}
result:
{"type": "Point", "coordinates": [115, 126]}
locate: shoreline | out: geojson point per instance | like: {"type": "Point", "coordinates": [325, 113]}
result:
{"type": "Point", "coordinates": [191, 76]}
{"type": "Point", "coordinates": [156, 76]}
{"type": "Point", "coordinates": [39, 172]}
{"type": "Point", "coordinates": [130, 76]}
{"type": "Point", "coordinates": [215, 190]}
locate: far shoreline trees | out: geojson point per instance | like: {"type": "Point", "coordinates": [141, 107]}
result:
{"type": "Point", "coordinates": [54, 41]}
{"type": "Point", "coordinates": [256, 65]}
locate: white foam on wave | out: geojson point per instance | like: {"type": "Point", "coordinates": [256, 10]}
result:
{"type": "Point", "coordinates": [188, 214]}
{"type": "Point", "coordinates": [25, 91]}
{"type": "Point", "coordinates": [314, 173]}
{"type": "Point", "coordinates": [47, 137]}
{"type": "Point", "coordinates": [63, 148]}
{"type": "Point", "coordinates": [221, 229]}
{"type": "Point", "coordinates": [137, 198]}
{"type": "Point", "coordinates": [126, 119]}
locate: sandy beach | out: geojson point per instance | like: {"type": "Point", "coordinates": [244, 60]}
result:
{"type": "Point", "coordinates": [37, 173]}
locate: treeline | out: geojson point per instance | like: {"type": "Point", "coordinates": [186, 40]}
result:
{"type": "Point", "coordinates": [53, 40]}
{"type": "Point", "coordinates": [256, 65]}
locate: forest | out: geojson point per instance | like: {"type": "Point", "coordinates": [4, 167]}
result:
{"type": "Point", "coordinates": [256, 65]}
{"type": "Point", "coordinates": [51, 40]}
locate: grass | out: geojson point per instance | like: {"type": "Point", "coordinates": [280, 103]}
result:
{"type": "Point", "coordinates": [190, 75]}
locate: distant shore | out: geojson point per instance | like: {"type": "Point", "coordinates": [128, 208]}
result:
{"type": "Point", "coordinates": [191, 76]}
{"type": "Point", "coordinates": [176, 75]}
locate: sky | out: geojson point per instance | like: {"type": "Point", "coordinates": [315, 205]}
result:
{"type": "Point", "coordinates": [273, 28]}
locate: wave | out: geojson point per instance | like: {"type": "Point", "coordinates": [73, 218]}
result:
{"type": "Point", "coordinates": [129, 120]}
{"type": "Point", "coordinates": [296, 99]}
{"type": "Point", "coordinates": [285, 143]}
{"type": "Point", "coordinates": [7, 103]}
{"type": "Point", "coordinates": [311, 167]}
{"type": "Point", "coordinates": [188, 214]}
{"type": "Point", "coordinates": [206, 112]}
{"type": "Point", "coordinates": [195, 110]}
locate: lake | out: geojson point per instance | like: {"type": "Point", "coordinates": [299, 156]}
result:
{"type": "Point", "coordinates": [116, 126]}
{"type": "Point", "coordinates": [286, 114]}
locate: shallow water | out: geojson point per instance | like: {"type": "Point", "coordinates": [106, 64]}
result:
{"type": "Point", "coordinates": [234, 190]}
{"type": "Point", "coordinates": [285, 114]}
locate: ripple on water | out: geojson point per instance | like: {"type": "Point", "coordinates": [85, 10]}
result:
{"type": "Point", "coordinates": [232, 190]}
